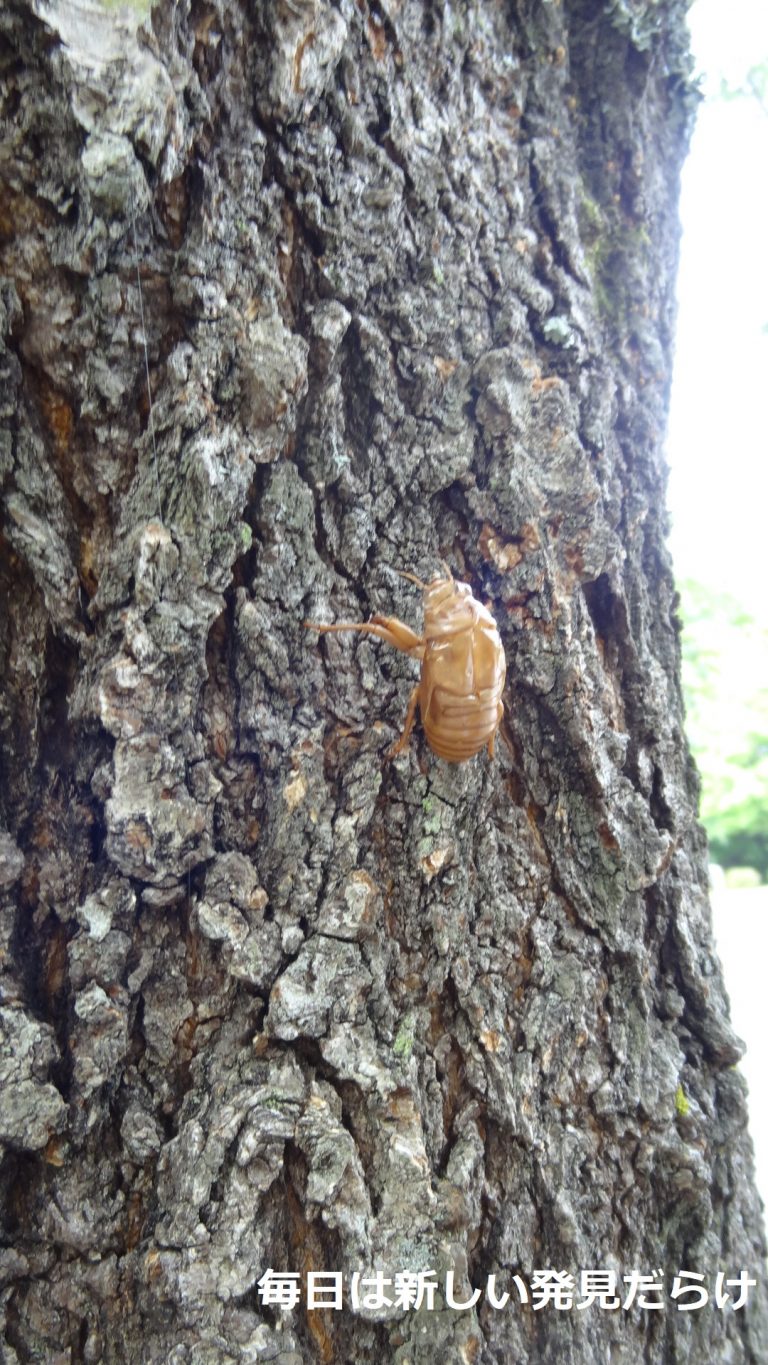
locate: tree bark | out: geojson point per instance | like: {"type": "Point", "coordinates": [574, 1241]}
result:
{"type": "Point", "coordinates": [268, 1000]}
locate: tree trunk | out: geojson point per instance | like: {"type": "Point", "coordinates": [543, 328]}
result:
{"type": "Point", "coordinates": [271, 1002]}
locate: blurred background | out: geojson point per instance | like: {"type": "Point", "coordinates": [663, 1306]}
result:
{"type": "Point", "coordinates": [718, 496]}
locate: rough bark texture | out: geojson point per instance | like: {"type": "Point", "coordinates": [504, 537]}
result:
{"type": "Point", "coordinates": [267, 1000]}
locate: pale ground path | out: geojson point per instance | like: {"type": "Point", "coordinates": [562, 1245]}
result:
{"type": "Point", "coordinates": [741, 932]}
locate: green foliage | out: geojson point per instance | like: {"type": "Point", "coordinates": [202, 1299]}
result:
{"type": "Point", "coordinates": [725, 680]}
{"type": "Point", "coordinates": [741, 878]}
{"type": "Point", "coordinates": [754, 86]}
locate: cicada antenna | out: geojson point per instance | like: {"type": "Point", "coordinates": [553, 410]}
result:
{"type": "Point", "coordinates": [411, 578]}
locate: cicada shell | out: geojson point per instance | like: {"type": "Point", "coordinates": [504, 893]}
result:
{"type": "Point", "coordinates": [463, 668]}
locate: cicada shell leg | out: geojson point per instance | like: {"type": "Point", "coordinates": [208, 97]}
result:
{"type": "Point", "coordinates": [386, 628]}
{"type": "Point", "coordinates": [410, 716]}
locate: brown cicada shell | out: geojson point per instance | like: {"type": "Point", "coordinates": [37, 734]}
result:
{"type": "Point", "coordinates": [463, 668]}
